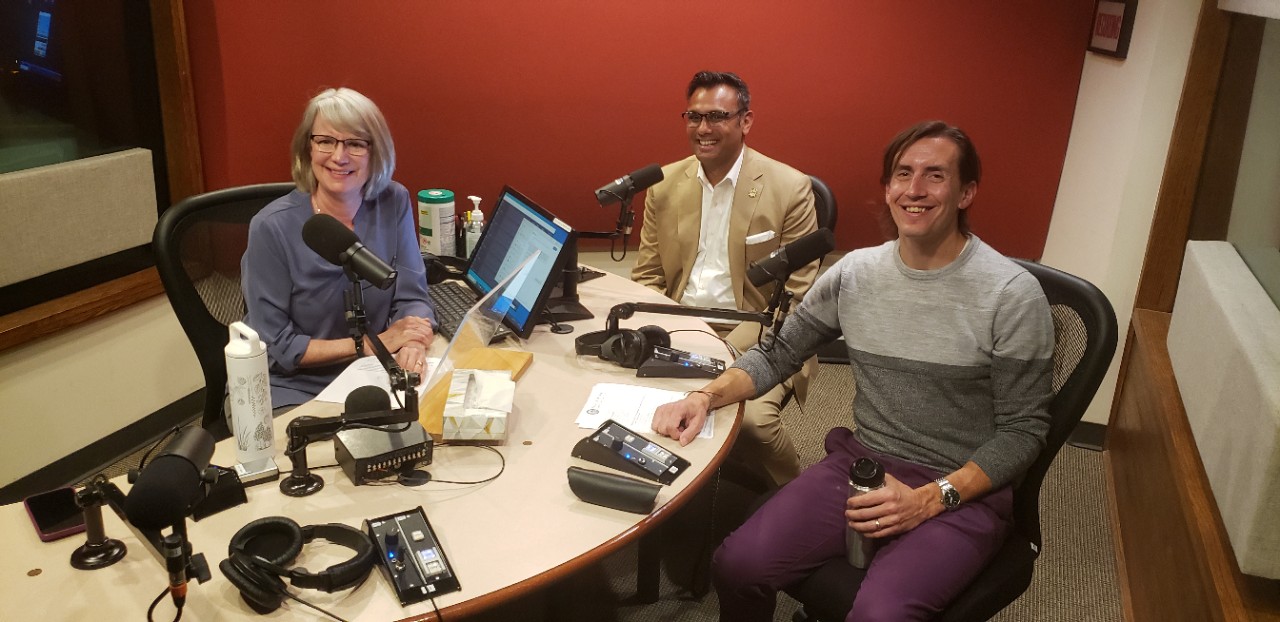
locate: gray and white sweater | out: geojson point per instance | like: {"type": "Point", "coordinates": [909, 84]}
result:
{"type": "Point", "coordinates": [951, 365]}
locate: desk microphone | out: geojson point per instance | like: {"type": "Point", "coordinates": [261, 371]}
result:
{"type": "Point", "coordinates": [627, 185]}
{"type": "Point", "coordinates": [782, 262]}
{"type": "Point", "coordinates": [366, 399]}
{"type": "Point", "coordinates": [176, 564]}
{"type": "Point", "coordinates": [339, 246]}
{"type": "Point", "coordinates": [171, 483]}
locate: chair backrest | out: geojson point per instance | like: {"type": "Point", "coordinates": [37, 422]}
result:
{"type": "Point", "coordinates": [1084, 342]}
{"type": "Point", "coordinates": [198, 244]}
{"type": "Point", "coordinates": [825, 203]}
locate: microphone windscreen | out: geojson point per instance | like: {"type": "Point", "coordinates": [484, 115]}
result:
{"type": "Point", "coordinates": [171, 483]}
{"type": "Point", "coordinates": [809, 248]}
{"type": "Point", "coordinates": [164, 493]}
{"type": "Point", "coordinates": [366, 400]}
{"type": "Point", "coordinates": [791, 257]}
{"type": "Point", "coordinates": [646, 177]}
{"type": "Point", "coordinates": [328, 237]}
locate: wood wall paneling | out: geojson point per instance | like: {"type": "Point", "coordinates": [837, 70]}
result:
{"type": "Point", "coordinates": [1211, 208]}
{"type": "Point", "coordinates": [1178, 563]}
{"type": "Point", "coordinates": [1166, 244]}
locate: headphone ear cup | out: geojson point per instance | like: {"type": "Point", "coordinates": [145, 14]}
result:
{"type": "Point", "coordinates": [611, 348]}
{"type": "Point", "coordinates": [256, 558]}
{"type": "Point", "coordinates": [276, 539]}
{"type": "Point", "coordinates": [262, 591]}
{"type": "Point", "coordinates": [342, 575]}
{"type": "Point", "coordinates": [628, 348]}
{"type": "Point", "coordinates": [443, 268]}
{"type": "Point", "coordinates": [656, 336]}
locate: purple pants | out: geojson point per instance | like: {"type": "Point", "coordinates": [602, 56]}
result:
{"type": "Point", "coordinates": [913, 576]}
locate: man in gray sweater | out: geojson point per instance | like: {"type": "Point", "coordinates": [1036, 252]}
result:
{"type": "Point", "coordinates": [951, 346]}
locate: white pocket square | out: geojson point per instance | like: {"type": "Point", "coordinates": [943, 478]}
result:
{"type": "Point", "coordinates": [763, 236]}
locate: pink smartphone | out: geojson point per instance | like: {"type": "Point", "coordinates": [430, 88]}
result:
{"type": "Point", "coordinates": [55, 514]}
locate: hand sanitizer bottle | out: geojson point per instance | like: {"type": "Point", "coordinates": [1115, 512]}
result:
{"type": "Point", "coordinates": [475, 224]}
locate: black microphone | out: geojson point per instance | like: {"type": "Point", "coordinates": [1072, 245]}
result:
{"type": "Point", "coordinates": [366, 400]}
{"type": "Point", "coordinates": [628, 185]}
{"type": "Point", "coordinates": [370, 405]}
{"type": "Point", "coordinates": [175, 562]}
{"type": "Point", "coordinates": [171, 483]}
{"type": "Point", "coordinates": [782, 262]}
{"type": "Point", "coordinates": [339, 246]}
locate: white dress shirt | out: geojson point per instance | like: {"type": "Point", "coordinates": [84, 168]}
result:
{"type": "Point", "coordinates": [709, 282]}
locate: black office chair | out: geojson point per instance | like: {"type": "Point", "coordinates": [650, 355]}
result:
{"type": "Point", "coordinates": [1084, 342]}
{"type": "Point", "coordinates": [825, 203]}
{"type": "Point", "coordinates": [198, 244]}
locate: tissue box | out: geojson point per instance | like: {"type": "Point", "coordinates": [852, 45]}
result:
{"type": "Point", "coordinates": [478, 405]}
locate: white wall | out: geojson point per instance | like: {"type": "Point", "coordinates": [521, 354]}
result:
{"type": "Point", "coordinates": [1115, 161]}
{"type": "Point", "coordinates": [68, 390]}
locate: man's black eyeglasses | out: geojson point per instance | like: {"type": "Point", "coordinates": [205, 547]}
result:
{"type": "Point", "coordinates": [715, 117]}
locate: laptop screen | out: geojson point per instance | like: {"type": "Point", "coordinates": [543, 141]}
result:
{"type": "Point", "coordinates": [516, 227]}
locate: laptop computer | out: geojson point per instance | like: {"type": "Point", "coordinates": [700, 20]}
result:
{"type": "Point", "coordinates": [516, 229]}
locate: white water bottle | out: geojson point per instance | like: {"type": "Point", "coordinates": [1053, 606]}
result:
{"type": "Point", "coordinates": [249, 387]}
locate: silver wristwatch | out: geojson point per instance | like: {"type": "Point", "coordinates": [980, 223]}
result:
{"type": "Point", "coordinates": [950, 496]}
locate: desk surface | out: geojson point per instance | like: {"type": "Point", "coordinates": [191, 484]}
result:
{"type": "Point", "coordinates": [507, 537]}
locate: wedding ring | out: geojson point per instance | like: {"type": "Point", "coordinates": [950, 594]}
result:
{"type": "Point", "coordinates": [877, 524]}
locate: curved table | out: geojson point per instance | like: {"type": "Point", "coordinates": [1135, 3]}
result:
{"type": "Point", "coordinates": [512, 536]}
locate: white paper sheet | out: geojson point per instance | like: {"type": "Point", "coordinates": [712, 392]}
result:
{"type": "Point", "coordinates": [363, 372]}
{"type": "Point", "coordinates": [632, 406]}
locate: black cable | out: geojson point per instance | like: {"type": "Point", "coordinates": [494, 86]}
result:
{"type": "Point", "coordinates": [331, 615]}
{"type": "Point", "coordinates": [366, 426]}
{"type": "Point", "coordinates": [394, 478]}
{"type": "Point", "coordinates": [145, 456]}
{"type": "Point", "coordinates": [733, 351]}
{"type": "Point", "coordinates": [439, 617]}
{"type": "Point", "coordinates": [151, 610]}
{"type": "Point", "coordinates": [502, 459]}
{"type": "Point", "coordinates": [556, 327]}
{"type": "Point", "coordinates": [613, 242]}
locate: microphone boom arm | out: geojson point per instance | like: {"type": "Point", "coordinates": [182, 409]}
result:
{"type": "Point", "coordinates": [625, 310]}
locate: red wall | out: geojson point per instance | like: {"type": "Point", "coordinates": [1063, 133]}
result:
{"type": "Point", "coordinates": [558, 97]}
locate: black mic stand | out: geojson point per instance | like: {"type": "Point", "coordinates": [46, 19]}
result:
{"type": "Point", "coordinates": [779, 306]}
{"type": "Point", "coordinates": [100, 491]}
{"type": "Point", "coordinates": [302, 431]}
{"type": "Point", "coordinates": [98, 551]}
{"type": "Point", "coordinates": [566, 307]}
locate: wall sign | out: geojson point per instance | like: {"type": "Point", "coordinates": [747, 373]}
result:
{"type": "Point", "coordinates": [1112, 27]}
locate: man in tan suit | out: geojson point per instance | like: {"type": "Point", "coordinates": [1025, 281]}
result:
{"type": "Point", "coordinates": [713, 214]}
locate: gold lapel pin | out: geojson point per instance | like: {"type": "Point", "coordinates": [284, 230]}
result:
{"type": "Point", "coordinates": [753, 193]}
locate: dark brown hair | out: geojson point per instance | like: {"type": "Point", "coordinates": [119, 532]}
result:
{"type": "Point", "coordinates": [970, 165]}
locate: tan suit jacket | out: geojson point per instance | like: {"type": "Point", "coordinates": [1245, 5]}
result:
{"type": "Point", "coordinates": [769, 196]}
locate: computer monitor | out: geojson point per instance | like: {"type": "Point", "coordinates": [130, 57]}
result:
{"type": "Point", "coordinates": [516, 228]}
{"type": "Point", "coordinates": [35, 40]}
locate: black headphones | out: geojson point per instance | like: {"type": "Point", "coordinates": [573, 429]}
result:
{"type": "Point", "coordinates": [260, 551]}
{"type": "Point", "coordinates": [443, 267]}
{"type": "Point", "coordinates": [628, 348]}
